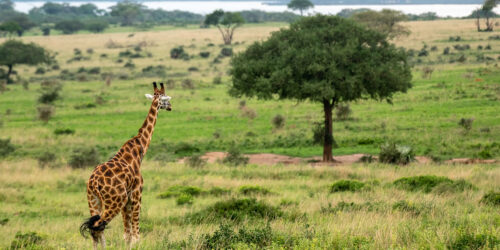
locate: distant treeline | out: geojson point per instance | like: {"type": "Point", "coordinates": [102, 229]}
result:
{"type": "Point", "coordinates": [69, 19]}
{"type": "Point", "coordinates": [380, 2]}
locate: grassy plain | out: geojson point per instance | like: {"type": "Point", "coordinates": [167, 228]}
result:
{"type": "Point", "coordinates": [51, 201]}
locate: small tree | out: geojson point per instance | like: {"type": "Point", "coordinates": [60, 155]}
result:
{"type": "Point", "coordinates": [10, 28]}
{"type": "Point", "coordinates": [96, 26]}
{"type": "Point", "coordinates": [14, 52]}
{"type": "Point", "coordinates": [324, 59]}
{"type": "Point", "coordinates": [128, 12]}
{"type": "Point", "coordinates": [385, 22]}
{"type": "Point", "coordinates": [301, 5]}
{"type": "Point", "coordinates": [226, 22]}
{"type": "Point", "coordinates": [69, 26]}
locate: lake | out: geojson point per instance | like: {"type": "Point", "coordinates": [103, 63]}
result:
{"type": "Point", "coordinates": [204, 7]}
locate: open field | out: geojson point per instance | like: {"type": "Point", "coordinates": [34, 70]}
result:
{"type": "Point", "coordinates": [300, 211]}
{"type": "Point", "coordinates": [52, 202]}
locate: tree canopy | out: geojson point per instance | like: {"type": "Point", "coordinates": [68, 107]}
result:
{"type": "Point", "coordinates": [386, 21]}
{"type": "Point", "coordinates": [323, 59]}
{"type": "Point", "coordinates": [14, 52]}
{"type": "Point", "coordinates": [300, 5]}
{"type": "Point", "coordinates": [226, 22]}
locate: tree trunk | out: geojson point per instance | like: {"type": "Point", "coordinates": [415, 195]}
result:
{"type": "Point", "coordinates": [328, 141]}
{"type": "Point", "coordinates": [478, 24]}
{"type": "Point", "coordinates": [8, 73]}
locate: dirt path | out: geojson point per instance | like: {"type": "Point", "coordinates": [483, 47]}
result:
{"type": "Point", "coordinates": [274, 159]}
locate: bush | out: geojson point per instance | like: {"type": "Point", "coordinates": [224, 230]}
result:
{"type": "Point", "coordinates": [204, 54]}
{"type": "Point", "coordinates": [423, 52]}
{"type": "Point", "coordinates": [69, 26]}
{"type": "Point", "coordinates": [46, 159]}
{"type": "Point", "coordinates": [278, 121]}
{"type": "Point", "coordinates": [170, 84]}
{"type": "Point", "coordinates": [184, 199]}
{"type": "Point", "coordinates": [235, 158]}
{"type": "Point", "coordinates": [466, 123]}
{"type": "Point", "coordinates": [84, 157]}
{"type": "Point", "coordinates": [45, 112]}
{"type": "Point", "coordinates": [253, 190]}
{"type": "Point", "coordinates": [446, 51]}
{"type": "Point", "coordinates": [217, 80]}
{"type": "Point", "coordinates": [64, 131]}
{"type": "Point", "coordinates": [225, 237]}
{"type": "Point", "coordinates": [346, 185]}
{"type": "Point", "coordinates": [29, 240]}
{"type": "Point", "coordinates": [396, 154]}
{"type": "Point", "coordinates": [196, 161]}
{"type": "Point", "coordinates": [193, 69]}
{"type": "Point", "coordinates": [468, 240]}
{"type": "Point", "coordinates": [461, 47]}
{"type": "Point", "coordinates": [94, 70]}
{"type": "Point", "coordinates": [187, 84]}
{"type": "Point", "coordinates": [491, 198]}
{"type": "Point", "coordinates": [218, 191]}
{"type": "Point", "coordinates": [6, 147]}
{"type": "Point", "coordinates": [154, 71]}
{"type": "Point", "coordinates": [248, 113]}
{"type": "Point", "coordinates": [235, 210]}
{"type": "Point", "coordinates": [454, 187]}
{"type": "Point", "coordinates": [427, 72]}
{"type": "Point", "coordinates": [40, 71]}
{"type": "Point", "coordinates": [178, 53]}
{"type": "Point", "coordinates": [424, 183]}
{"type": "Point", "coordinates": [405, 206]}
{"type": "Point", "coordinates": [49, 92]}
{"type": "Point", "coordinates": [96, 25]}
{"type": "Point", "coordinates": [178, 190]}
{"type": "Point", "coordinates": [226, 52]}
{"type": "Point", "coordinates": [343, 112]}
{"type": "Point", "coordinates": [129, 64]}
{"type": "Point", "coordinates": [185, 149]}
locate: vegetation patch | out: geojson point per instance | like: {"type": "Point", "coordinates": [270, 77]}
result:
{"type": "Point", "coordinates": [491, 198]}
{"type": "Point", "coordinates": [226, 238]}
{"type": "Point", "coordinates": [178, 190]}
{"type": "Point", "coordinates": [253, 190]}
{"type": "Point", "coordinates": [235, 210]}
{"type": "Point", "coordinates": [469, 240]}
{"type": "Point", "coordinates": [454, 187]}
{"type": "Point", "coordinates": [346, 185]}
{"type": "Point", "coordinates": [6, 147]}
{"type": "Point", "coordinates": [84, 157]}
{"type": "Point", "coordinates": [424, 183]}
{"type": "Point", "coordinates": [352, 207]}
{"type": "Point", "coordinates": [396, 154]}
{"type": "Point", "coordinates": [30, 240]}
{"type": "Point", "coordinates": [235, 158]}
{"type": "Point", "coordinates": [410, 207]}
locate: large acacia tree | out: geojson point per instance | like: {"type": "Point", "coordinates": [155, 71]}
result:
{"type": "Point", "coordinates": [226, 22]}
{"type": "Point", "coordinates": [14, 52]}
{"type": "Point", "coordinates": [301, 5]}
{"type": "Point", "coordinates": [323, 59]}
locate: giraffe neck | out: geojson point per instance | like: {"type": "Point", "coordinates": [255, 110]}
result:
{"type": "Point", "coordinates": [146, 131]}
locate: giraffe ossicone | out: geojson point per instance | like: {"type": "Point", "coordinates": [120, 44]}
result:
{"type": "Point", "coordinates": [116, 185]}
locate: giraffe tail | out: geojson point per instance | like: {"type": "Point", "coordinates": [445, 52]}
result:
{"type": "Point", "coordinates": [88, 226]}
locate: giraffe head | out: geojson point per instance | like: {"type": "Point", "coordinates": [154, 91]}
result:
{"type": "Point", "coordinates": [164, 100]}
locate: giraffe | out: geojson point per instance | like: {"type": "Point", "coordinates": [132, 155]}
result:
{"type": "Point", "coordinates": [116, 186]}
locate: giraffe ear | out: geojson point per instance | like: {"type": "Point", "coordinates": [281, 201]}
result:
{"type": "Point", "coordinates": [150, 97]}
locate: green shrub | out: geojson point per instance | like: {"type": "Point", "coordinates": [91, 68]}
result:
{"type": "Point", "coordinates": [195, 161]}
{"type": "Point", "coordinates": [235, 158]}
{"type": "Point", "coordinates": [396, 154]}
{"type": "Point", "coordinates": [346, 185]}
{"type": "Point", "coordinates": [469, 240]}
{"type": "Point", "coordinates": [204, 54]}
{"type": "Point", "coordinates": [218, 191]}
{"type": "Point", "coordinates": [366, 159]}
{"type": "Point", "coordinates": [187, 84]}
{"type": "Point", "coordinates": [46, 159]}
{"type": "Point", "coordinates": [154, 71]}
{"type": "Point", "coordinates": [217, 80]}
{"type": "Point", "coordinates": [178, 190]}
{"type": "Point", "coordinates": [226, 52]}
{"type": "Point", "coordinates": [185, 149]}
{"type": "Point", "coordinates": [49, 92]}
{"type": "Point", "coordinates": [40, 71]}
{"type": "Point", "coordinates": [184, 199]}
{"type": "Point", "coordinates": [193, 69]}
{"type": "Point", "coordinates": [466, 123]}
{"type": "Point", "coordinates": [253, 190]}
{"type": "Point", "coordinates": [29, 240]}
{"type": "Point", "coordinates": [64, 131]}
{"type": "Point", "coordinates": [405, 206]}
{"type": "Point", "coordinates": [178, 53]}
{"type": "Point", "coordinates": [453, 187]}
{"type": "Point", "coordinates": [491, 198]}
{"type": "Point", "coordinates": [278, 121]}
{"type": "Point", "coordinates": [343, 112]}
{"type": "Point", "coordinates": [423, 183]}
{"type": "Point", "coordinates": [45, 112]}
{"type": "Point", "coordinates": [225, 237]}
{"type": "Point", "coordinates": [235, 210]}
{"type": "Point", "coordinates": [84, 157]}
{"type": "Point", "coordinates": [6, 147]}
